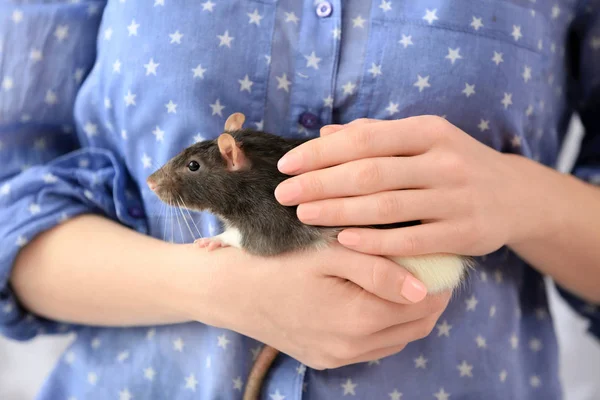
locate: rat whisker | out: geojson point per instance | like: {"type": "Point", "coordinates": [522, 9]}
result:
{"type": "Point", "coordinates": [185, 219]}
{"type": "Point", "coordinates": [165, 224]}
{"type": "Point", "coordinates": [179, 224]}
{"type": "Point", "coordinates": [171, 217]}
{"type": "Point", "coordinates": [190, 215]}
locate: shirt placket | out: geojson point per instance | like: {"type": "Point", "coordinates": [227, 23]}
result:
{"type": "Point", "coordinates": [315, 63]}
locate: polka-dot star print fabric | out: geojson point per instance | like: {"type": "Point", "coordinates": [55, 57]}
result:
{"type": "Point", "coordinates": [94, 95]}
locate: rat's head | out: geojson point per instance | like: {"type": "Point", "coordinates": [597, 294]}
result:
{"type": "Point", "coordinates": [200, 177]}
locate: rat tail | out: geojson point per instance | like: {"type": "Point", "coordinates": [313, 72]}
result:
{"type": "Point", "coordinates": [262, 364]}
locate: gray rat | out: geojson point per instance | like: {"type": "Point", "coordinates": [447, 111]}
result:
{"type": "Point", "coordinates": [234, 177]}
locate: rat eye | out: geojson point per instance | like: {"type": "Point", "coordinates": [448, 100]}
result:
{"type": "Point", "coordinates": [193, 166]}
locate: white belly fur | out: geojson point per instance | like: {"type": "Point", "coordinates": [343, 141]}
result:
{"type": "Point", "coordinates": [438, 272]}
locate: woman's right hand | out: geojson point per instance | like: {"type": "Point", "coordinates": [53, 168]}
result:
{"type": "Point", "coordinates": [326, 308]}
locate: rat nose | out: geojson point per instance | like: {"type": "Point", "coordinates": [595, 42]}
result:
{"type": "Point", "coordinates": [151, 184]}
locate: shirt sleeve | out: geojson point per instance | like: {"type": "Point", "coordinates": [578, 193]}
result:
{"type": "Point", "coordinates": [584, 62]}
{"type": "Point", "coordinates": [47, 49]}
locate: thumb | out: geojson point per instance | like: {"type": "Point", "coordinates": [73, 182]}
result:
{"type": "Point", "coordinates": [378, 275]}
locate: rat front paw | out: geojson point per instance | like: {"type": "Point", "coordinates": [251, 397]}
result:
{"type": "Point", "coordinates": [210, 243]}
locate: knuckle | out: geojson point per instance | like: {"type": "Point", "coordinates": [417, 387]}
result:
{"type": "Point", "coordinates": [359, 121]}
{"type": "Point", "coordinates": [362, 137]}
{"type": "Point", "coordinates": [424, 329]}
{"type": "Point", "coordinates": [388, 206]}
{"type": "Point", "coordinates": [368, 173]}
{"type": "Point", "coordinates": [409, 245]}
{"type": "Point", "coordinates": [343, 350]}
{"type": "Point", "coordinates": [314, 185]}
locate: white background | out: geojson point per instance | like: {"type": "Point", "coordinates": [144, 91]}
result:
{"type": "Point", "coordinates": [24, 366]}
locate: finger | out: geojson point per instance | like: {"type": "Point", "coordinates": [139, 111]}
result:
{"type": "Point", "coordinates": [378, 139]}
{"type": "Point", "coordinates": [428, 238]}
{"type": "Point", "coordinates": [330, 129]}
{"type": "Point", "coordinates": [380, 277]}
{"type": "Point", "coordinates": [376, 355]}
{"type": "Point", "coordinates": [376, 209]}
{"type": "Point", "coordinates": [359, 177]}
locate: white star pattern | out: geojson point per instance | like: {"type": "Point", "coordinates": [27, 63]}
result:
{"type": "Point", "coordinates": [108, 32]}
{"type": "Point", "coordinates": [526, 73]}
{"type": "Point", "coordinates": [514, 341]}
{"type": "Point", "coordinates": [503, 375]}
{"type": "Point", "coordinates": [95, 343]}
{"type": "Point", "coordinates": [483, 126]}
{"type": "Point", "coordinates": [51, 98]}
{"type": "Point", "coordinates": [147, 162]}
{"type": "Point", "coordinates": [35, 55]}
{"type": "Point", "coordinates": [7, 83]}
{"type": "Point", "coordinates": [375, 70]}
{"type": "Point", "coordinates": [171, 107]}
{"type": "Point", "coordinates": [358, 22]}
{"type": "Point", "coordinates": [516, 33]}
{"type": "Point", "coordinates": [132, 28]}
{"type": "Point", "coordinates": [178, 345]}
{"type": "Point", "coordinates": [217, 108]}
{"type": "Point", "coordinates": [225, 39]}
{"type": "Point", "coordinates": [21, 241]}
{"type": "Point", "coordinates": [422, 82]}
{"type": "Point", "coordinates": [208, 6]}
{"type": "Point", "coordinates": [349, 88]}
{"type": "Point", "coordinates": [555, 11]}
{"type": "Point", "coordinates": [191, 382]}
{"type": "Point", "coordinates": [442, 395]}
{"type": "Point", "coordinates": [444, 329]}
{"type": "Point", "coordinates": [238, 384]}
{"type": "Point", "coordinates": [465, 369]}
{"type": "Point", "coordinates": [199, 71]}
{"type": "Point", "coordinates": [481, 342]}
{"type": "Point", "coordinates": [151, 67]}
{"type": "Point", "coordinates": [277, 395]}
{"type": "Point", "coordinates": [291, 17]}
{"type": "Point", "coordinates": [61, 32]}
{"type": "Point", "coordinates": [392, 108]}
{"type": "Point", "coordinates": [469, 90]}
{"type": "Point", "coordinates": [349, 387]}
{"type": "Point", "coordinates": [385, 5]}
{"type": "Point", "coordinates": [476, 23]}
{"type": "Point", "coordinates": [130, 99]}
{"type": "Point", "coordinates": [255, 17]}
{"type": "Point", "coordinates": [125, 394]}
{"type": "Point", "coordinates": [283, 83]}
{"type": "Point", "coordinates": [301, 369]}
{"type": "Point", "coordinates": [175, 37]}
{"type": "Point", "coordinates": [497, 59]}
{"type": "Point", "coordinates": [421, 362]}
{"type": "Point", "coordinates": [453, 55]}
{"type": "Point", "coordinates": [117, 67]}
{"type": "Point", "coordinates": [471, 303]}
{"type": "Point", "coordinates": [406, 41]}
{"type": "Point", "coordinates": [395, 395]}
{"type": "Point", "coordinates": [328, 101]}
{"type": "Point", "coordinates": [222, 341]}
{"type": "Point", "coordinates": [535, 345]}
{"type": "Point", "coordinates": [92, 378]}
{"type": "Point", "coordinates": [17, 16]}
{"type": "Point", "coordinates": [507, 100]}
{"type": "Point", "coordinates": [535, 381]}
{"type": "Point", "coordinates": [430, 16]}
{"type": "Point", "coordinates": [312, 60]}
{"type": "Point", "coordinates": [336, 33]}
{"type": "Point", "coordinates": [149, 373]}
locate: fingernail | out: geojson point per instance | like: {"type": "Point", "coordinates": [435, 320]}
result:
{"type": "Point", "coordinates": [289, 163]}
{"type": "Point", "coordinates": [308, 212]}
{"type": "Point", "coordinates": [288, 191]}
{"type": "Point", "coordinates": [349, 238]}
{"type": "Point", "coordinates": [413, 290]}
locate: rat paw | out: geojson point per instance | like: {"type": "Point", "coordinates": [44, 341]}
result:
{"type": "Point", "coordinates": [210, 243]}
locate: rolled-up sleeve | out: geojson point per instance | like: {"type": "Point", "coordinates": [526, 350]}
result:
{"type": "Point", "coordinates": [584, 57]}
{"type": "Point", "coordinates": [47, 50]}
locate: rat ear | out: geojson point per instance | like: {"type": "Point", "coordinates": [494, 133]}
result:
{"type": "Point", "coordinates": [234, 122]}
{"type": "Point", "coordinates": [231, 152]}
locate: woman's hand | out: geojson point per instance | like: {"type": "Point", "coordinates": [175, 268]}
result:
{"type": "Point", "coordinates": [326, 308]}
{"type": "Point", "coordinates": [471, 199]}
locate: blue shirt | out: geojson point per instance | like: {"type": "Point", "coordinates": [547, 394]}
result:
{"type": "Point", "coordinates": [95, 95]}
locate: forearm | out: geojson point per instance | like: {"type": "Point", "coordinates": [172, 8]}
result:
{"type": "Point", "coordinates": [93, 271]}
{"type": "Point", "coordinates": [565, 239]}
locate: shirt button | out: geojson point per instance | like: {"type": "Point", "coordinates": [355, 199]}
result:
{"type": "Point", "coordinates": [324, 9]}
{"type": "Point", "coordinates": [136, 212]}
{"type": "Point", "coordinates": [309, 120]}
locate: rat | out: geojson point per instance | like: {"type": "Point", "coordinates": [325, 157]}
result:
{"type": "Point", "coordinates": [234, 178]}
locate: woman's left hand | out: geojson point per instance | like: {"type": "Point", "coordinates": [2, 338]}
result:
{"type": "Point", "coordinates": [470, 198]}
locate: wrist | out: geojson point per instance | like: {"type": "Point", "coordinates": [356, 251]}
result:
{"type": "Point", "coordinates": [535, 192]}
{"type": "Point", "coordinates": [200, 285]}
